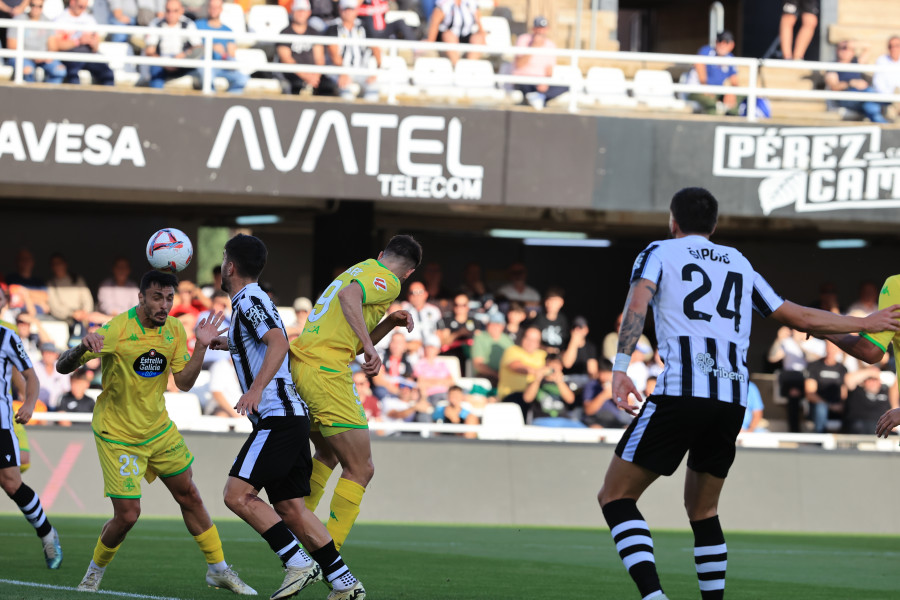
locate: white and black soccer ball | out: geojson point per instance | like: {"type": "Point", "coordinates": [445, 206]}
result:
{"type": "Point", "coordinates": [169, 250]}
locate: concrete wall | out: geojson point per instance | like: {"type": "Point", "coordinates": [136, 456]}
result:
{"type": "Point", "coordinates": [450, 481]}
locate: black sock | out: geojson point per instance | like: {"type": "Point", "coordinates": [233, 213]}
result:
{"type": "Point", "coordinates": [281, 541]}
{"type": "Point", "coordinates": [710, 557]}
{"type": "Point", "coordinates": [634, 544]}
{"type": "Point", "coordinates": [30, 505]}
{"type": "Point", "coordinates": [333, 566]}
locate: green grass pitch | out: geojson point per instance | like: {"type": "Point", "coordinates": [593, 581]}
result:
{"type": "Point", "coordinates": [442, 562]}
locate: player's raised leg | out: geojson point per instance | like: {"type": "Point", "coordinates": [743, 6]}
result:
{"type": "Point", "coordinates": [701, 499]}
{"type": "Point", "coordinates": [198, 523]}
{"type": "Point", "coordinates": [623, 486]}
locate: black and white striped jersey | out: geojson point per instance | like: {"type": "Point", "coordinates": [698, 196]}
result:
{"type": "Point", "coordinates": [458, 18]}
{"type": "Point", "coordinates": [351, 56]}
{"type": "Point", "coordinates": [12, 354]}
{"type": "Point", "coordinates": [703, 311]}
{"type": "Point", "coordinates": [253, 315]}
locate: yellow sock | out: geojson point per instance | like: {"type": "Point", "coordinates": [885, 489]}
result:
{"type": "Point", "coordinates": [25, 467]}
{"type": "Point", "coordinates": [317, 482]}
{"type": "Point", "coordinates": [348, 496]}
{"type": "Point", "coordinates": [103, 555]}
{"type": "Point", "coordinates": [211, 545]}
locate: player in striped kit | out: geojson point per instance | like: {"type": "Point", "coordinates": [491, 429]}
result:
{"type": "Point", "coordinates": [702, 296]}
{"type": "Point", "coordinates": [276, 456]}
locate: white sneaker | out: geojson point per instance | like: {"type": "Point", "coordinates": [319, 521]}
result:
{"type": "Point", "coordinates": [91, 581]}
{"type": "Point", "coordinates": [536, 100]}
{"type": "Point", "coordinates": [229, 580]}
{"type": "Point", "coordinates": [297, 578]}
{"type": "Point", "coordinates": [357, 592]}
{"type": "Point", "coordinates": [52, 550]}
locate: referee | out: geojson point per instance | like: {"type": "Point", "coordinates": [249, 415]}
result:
{"type": "Point", "coordinates": [276, 456]}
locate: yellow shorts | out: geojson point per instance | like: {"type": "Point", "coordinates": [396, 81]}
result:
{"type": "Point", "coordinates": [20, 432]}
{"type": "Point", "coordinates": [334, 405]}
{"type": "Point", "coordinates": [124, 465]}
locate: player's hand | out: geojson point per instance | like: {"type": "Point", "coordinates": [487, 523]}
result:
{"type": "Point", "coordinates": [402, 318]}
{"type": "Point", "coordinates": [92, 342]}
{"type": "Point", "coordinates": [219, 343]}
{"type": "Point", "coordinates": [248, 403]}
{"type": "Point", "coordinates": [210, 328]}
{"type": "Point", "coordinates": [887, 319]}
{"type": "Point", "coordinates": [622, 390]}
{"type": "Point", "coordinates": [887, 422]}
{"type": "Point", "coordinates": [372, 365]}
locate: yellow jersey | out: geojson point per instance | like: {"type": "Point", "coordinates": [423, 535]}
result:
{"type": "Point", "coordinates": [327, 341]}
{"type": "Point", "coordinates": [510, 381]}
{"type": "Point", "coordinates": [134, 366]}
{"type": "Point", "coordinates": [890, 295]}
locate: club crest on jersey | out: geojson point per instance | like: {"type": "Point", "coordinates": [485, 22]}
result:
{"type": "Point", "coordinates": [707, 365]}
{"type": "Point", "coordinates": [150, 364]}
{"type": "Point", "coordinates": [256, 315]}
{"type": "Point", "coordinates": [380, 284]}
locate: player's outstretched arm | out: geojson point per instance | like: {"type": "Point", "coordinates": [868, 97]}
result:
{"type": "Point", "coordinates": [633, 317]}
{"type": "Point", "coordinates": [351, 297]}
{"type": "Point", "coordinates": [813, 320]}
{"type": "Point", "coordinates": [70, 360]}
{"type": "Point", "coordinates": [400, 318]}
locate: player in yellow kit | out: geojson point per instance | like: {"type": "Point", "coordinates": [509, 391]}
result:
{"type": "Point", "coordinates": [346, 321]}
{"type": "Point", "coordinates": [135, 437]}
{"type": "Point", "coordinates": [870, 347]}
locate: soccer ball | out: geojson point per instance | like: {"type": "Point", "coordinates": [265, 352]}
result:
{"type": "Point", "coordinates": [169, 250]}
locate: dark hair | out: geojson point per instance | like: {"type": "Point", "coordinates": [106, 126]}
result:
{"type": "Point", "coordinates": [217, 270]}
{"type": "Point", "coordinates": [604, 365]}
{"type": "Point", "coordinates": [454, 388]}
{"type": "Point", "coordinates": [695, 210]}
{"type": "Point", "coordinates": [159, 278]}
{"type": "Point", "coordinates": [406, 248]}
{"type": "Point", "coordinates": [555, 290]}
{"type": "Point", "coordinates": [248, 254]}
{"type": "Point", "coordinates": [83, 373]}
{"type": "Point", "coordinates": [219, 294]}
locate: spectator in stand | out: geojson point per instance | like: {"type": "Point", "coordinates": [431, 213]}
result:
{"type": "Point", "coordinates": [787, 350]}
{"type": "Point", "coordinates": [302, 307]}
{"type": "Point", "coordinates": [554, 325]}
{"type": "Point", "coordinates": [368, 400]}
{"type": "Point", "coordinates": [611, 341]}
{"type": "Point", "coordinates": [715, 75]}
{"type": "Point", "coordinates": [867, 302]}
{"type": "Point", "coordinates": [172, 46]}
{"type": "Point", "coordinates": [75, 400]}
{"type": "Point", "coordinates": [30, 289]}
{"type": "Point", "coordinates": [473, 284]}
{"type": "Point", "coordinates": [118, 293]}
{"type": "Point", "coordinates": [33, 336]}
{"type": "Point", "coordinates": [537, 65]}
{"type": "Point", "coordinates": [580, 356]}
{"type": "Point", "coordinates": [189, 300]}
{"type": "Point", "coordinates": [795, 49]}
{"type": "Point", "coordinates": [515, 319]}
{"type": "Point", "coordinates": [68, 296]}
{"type": "Point", "coordinates": [753, 417]}
{"type": "Point", "coordinates": [36, 39]}
{"type": "Point", "coordinates": [396, 366]}
{"type": "Point", "coordinates": [299, 52]}
{"type": "Point", "coordinates": [324, 14]}
{"type": "Point", "coordinates": [549, 400]}
{"type": "Point", "coordinates": [209, 289]}
{"type": "Point", "coordinates": [121, 12]}
{"type": "Point", "coordinates": [223, 49]}
{"type": "Point", "coordinates": [518, 290]}
{"type": "Point", "coordinates": [868, 399]}
{"type": "Point", "coordinates": [455, 412]}
{"type": "Point", "coordinates": [853, 81]}
{"type": "Point", "coordinates": [826, 390]}
{"type": "Point", "coordinates": [80, 41]}
{"type": "Point", "coordinates": [457, 22]}
{"type": "Point", "coordinates": [432, 374]}
{"type": "Point", "coordinates": [350, 28]}
{"type": "Point", "coordinates": [10, 9]}
{"type": "Point", "coordinates": [425, 315]}
{"type": "Point", "coordinates": [372, 14]}
{"type": "Point", "coordinates": [53, 383]}
{"type": "Point", "coordinates": [520, 365]}
{"type": "Point", "coordinates": [407, 406]}
{"type": "Point", "coordinates": [600, 409]}
{"type": "Point", "coordinates": [457, 331]}
{"type": "Point", "coordinates": [221, 303]}
{"type": "Point", "coordinates": [888, 82]}
{"type": "Point", "coordinates": [488, 347]}
{"type": "Point", "coordinates": [433, 278]}
{"type": "Point", "coordinates": [224, 390]}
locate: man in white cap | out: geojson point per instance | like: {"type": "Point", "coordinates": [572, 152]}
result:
{"type": "Point", "coordinates": [301, 52]}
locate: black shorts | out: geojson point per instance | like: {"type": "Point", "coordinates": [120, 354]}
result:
{"type": "Point", "coordinates": [9, 449]}
{"type": "Point", "coordinates": [276, 457]}
{"type": "Point", "coordinates": [668, 427]}
{"type": "Point", "coordinates": [793, 7]}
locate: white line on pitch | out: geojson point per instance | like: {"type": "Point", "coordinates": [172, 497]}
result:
{"type": "Point", "coordinates": [72, 589]}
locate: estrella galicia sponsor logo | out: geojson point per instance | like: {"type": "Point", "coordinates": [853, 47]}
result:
{"type": "Point", "coordinates": [707, 365]}
{"type": "Point", "coordinates": [813, 169]}
{"type": "Point", "coordinates": [150, 364]}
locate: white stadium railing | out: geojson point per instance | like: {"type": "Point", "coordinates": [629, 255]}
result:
{"type": "Point", "coordinates": [524, 433]}
{"type": "Point", "coordinates": [206, 64]}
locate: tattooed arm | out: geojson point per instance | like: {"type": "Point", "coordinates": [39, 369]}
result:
{"type": "Point", "coordinates": [71, 359]}
{"type": "Point", "coordinates": [633, 318]}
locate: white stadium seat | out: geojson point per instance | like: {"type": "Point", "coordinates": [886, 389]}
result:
{"type": "Point", "coordinates": [410, 16]}
{"type": "Point", "coordinates": [607, 85]}
{"type": "Point", "coordinates": [501, 421]}
{"type": "Point", "coordinates": [183, 408]}
{"type": "Point", "coordinates": [58, 332]}
{"type": "Point", "coordinates": [233, 17]}
{"type": "Point", "coordinates": [452, 365]}
{"type": "Point", "coordinates": [267, 18]}
{"type": "Point", "coordinates": [434, 76]}
{"type": "Point", "coordinates": [656, 89]}
{"type": "Point", "coordinates": [393, 79]}
{"type": "Point", "coordinates": [476, 78]}
{"type": "Point", "coordinates": [53, 8]}
{"type": "Point", "coordinates": [496, 32]}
